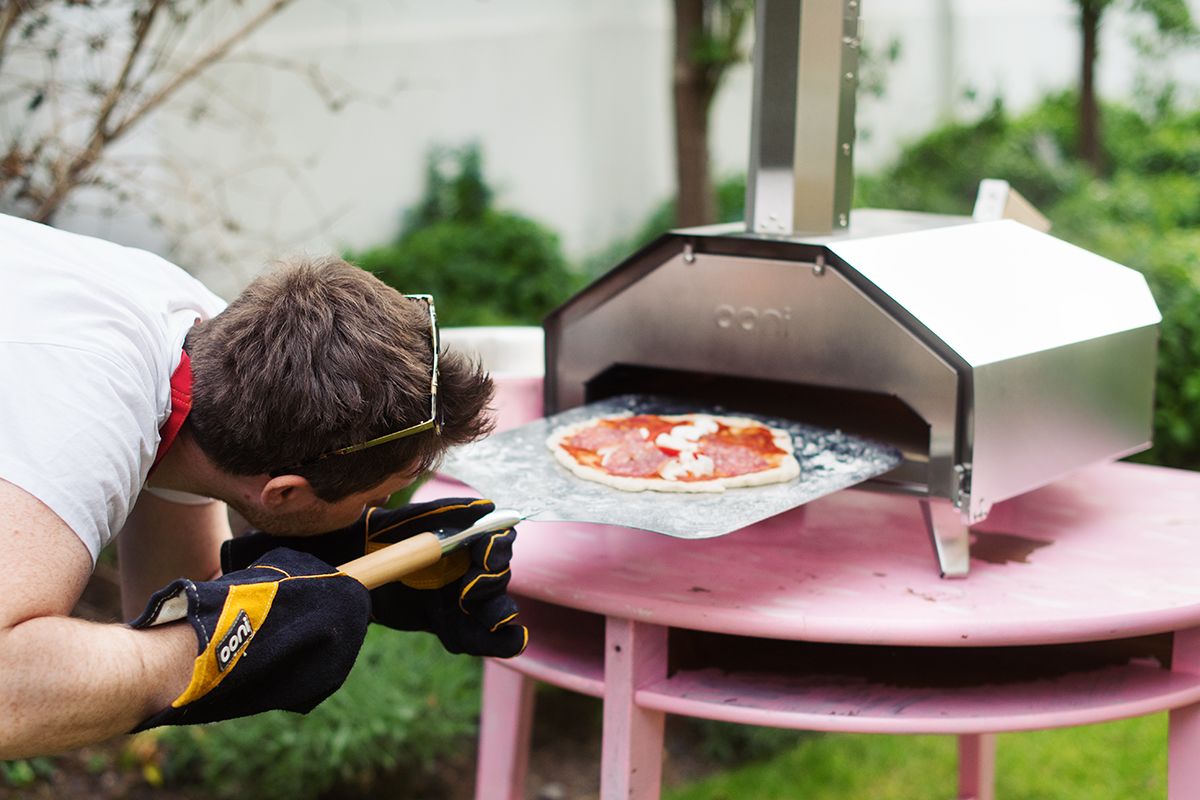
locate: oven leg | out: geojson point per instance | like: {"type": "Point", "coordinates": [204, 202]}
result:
{"type": "Point", "coordinates": [1183, 727]}
{"type": "Point", "coordinates": [631, 754]}
{"type": "Point", "coordinates": [977, 766]}
{"type": "Point", "coordinates": [505, 726]}
{"type": "Point", "coordinates": [950, 536]}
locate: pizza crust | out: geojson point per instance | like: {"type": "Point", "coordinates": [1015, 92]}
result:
{"type": "Point", "coordinates": [786, 470]}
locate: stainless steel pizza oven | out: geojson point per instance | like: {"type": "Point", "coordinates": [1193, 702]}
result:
{"type": "Point", "coordinates": [996, 357]}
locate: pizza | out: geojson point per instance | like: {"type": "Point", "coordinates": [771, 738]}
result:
{"type": "Point", "coordinates": [675, 453]}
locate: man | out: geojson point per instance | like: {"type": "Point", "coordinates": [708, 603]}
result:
{"type": "Point", "coordinates": [132, 398]}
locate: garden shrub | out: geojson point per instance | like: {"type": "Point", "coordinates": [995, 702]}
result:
{"type": "Point", "coordinates": [483, 265]}
{"type": "Point", "coordinates": [406, 704]}
{"type": "Point", "coordinates": [940, 173]}
{"type": "Point", "coordinates": [498, 269]}
{"type": "Point", "coordinates": [24, 772]}
{"type": "Point", "coordinates": [729, 744]}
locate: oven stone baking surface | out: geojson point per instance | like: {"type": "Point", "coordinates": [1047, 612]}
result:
{"type": "Point", "coordinates": [515, 469]}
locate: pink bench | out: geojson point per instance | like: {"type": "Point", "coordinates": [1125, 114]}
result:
{"type": "Point", "coordinates": [832, 618]}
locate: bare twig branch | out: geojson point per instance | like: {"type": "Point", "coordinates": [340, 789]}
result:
{"type": "Point", "coordinates": [9, 15]}
{"type": "Point", "coordinates": [105, 131]}
{"type": "Point", "coordinates": [69, 174]}
{"type": "Point", "coordinates": [336, 94]}
{"type": "Point", "coordinates": [78, 82]}
{"type": "Point", "coordinates": [199, 65]}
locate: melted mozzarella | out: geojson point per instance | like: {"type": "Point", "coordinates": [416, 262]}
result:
{"type": "Point", "coordinates": [693, 431]}
{"type": "Point", "coordinates": [669, 442]}
{"type": "Point", "coordinates": [688, 463]}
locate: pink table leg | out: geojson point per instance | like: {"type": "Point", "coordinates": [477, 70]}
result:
{"type": "Point", "coordinates": [505, 726]}
{"type": "Point", "coordinates": [1183, 743]}
{"type": "Point", "coordinates": [977, 766]}
{"type": "Point", "coordinates": [631, 755]}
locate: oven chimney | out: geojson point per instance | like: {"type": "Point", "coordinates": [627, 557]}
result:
{"type": "Point", "coordinates": [800, 178]}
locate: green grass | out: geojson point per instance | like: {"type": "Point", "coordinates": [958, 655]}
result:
{"type": "Point", "coordinates": [1125, 760]}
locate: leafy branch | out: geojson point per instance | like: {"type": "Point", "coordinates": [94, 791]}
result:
{"type": "Point", "coordinates": [44, 156]}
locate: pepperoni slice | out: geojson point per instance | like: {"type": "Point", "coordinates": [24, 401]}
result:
{"type": "Point", "coordinates": [731, 459]}
{"type": "Point", "coordinates": [759, 439]}
{"type": "Point", "coordinates": [598, 436]}
{"type": "Point", "coordinates": [635, 459]}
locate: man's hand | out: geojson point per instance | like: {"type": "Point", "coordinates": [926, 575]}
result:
{"type": "Point", "coordinates": [462, 598]}
{"type": "Point", "coordinates": [280, 634]}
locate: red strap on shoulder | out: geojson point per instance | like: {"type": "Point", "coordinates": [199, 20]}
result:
{"type": "Point", "coordinates": [181, 406]}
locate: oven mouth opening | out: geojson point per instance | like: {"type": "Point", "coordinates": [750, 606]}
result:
{"type": "Point", "coordinates": [883, 418]}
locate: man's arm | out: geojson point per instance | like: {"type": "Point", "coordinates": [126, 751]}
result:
{"type": "Point", "coordinates": [67, 682]}
{"type": "Point", "coordinates": [162, 541]}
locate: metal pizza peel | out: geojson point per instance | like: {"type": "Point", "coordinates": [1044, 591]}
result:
{"type": "Point", "coordinates": [516, 469]}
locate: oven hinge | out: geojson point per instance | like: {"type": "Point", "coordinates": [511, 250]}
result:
{"type": "Point", "coordinates": [973, 510]}
{"type": "Point", "coordinates": [962, 486]}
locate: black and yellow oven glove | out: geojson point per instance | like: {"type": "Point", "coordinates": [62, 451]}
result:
{"type": "Point", "coordinates": [282, 633]}
{"type": "Point", "coordinates": [463, 598]}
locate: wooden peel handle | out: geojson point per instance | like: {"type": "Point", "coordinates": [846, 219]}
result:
{"type": "Point", "coordinates": [394, 561]}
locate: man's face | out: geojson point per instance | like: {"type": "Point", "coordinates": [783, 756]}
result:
{"type": "Point", "coordinates": [319, 516]}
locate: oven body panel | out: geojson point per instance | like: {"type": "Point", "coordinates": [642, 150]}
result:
{"type": "Point", "coordinates": [1021, 357]}
{"type": "Point", "coordinates": [1040, 416]}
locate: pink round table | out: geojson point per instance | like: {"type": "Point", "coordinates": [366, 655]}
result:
{"type": "Point", "coordinates": [1082, 605]}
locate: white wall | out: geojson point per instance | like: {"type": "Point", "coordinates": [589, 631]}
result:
{"type": "Point", "coordinates": [570, 100]}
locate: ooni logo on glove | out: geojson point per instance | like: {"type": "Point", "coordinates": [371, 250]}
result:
{"type": "Point", "coordinates": [234, 640]}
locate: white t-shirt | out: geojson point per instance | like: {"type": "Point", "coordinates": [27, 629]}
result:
{"type": "Point", "coordinates": [90, 333]}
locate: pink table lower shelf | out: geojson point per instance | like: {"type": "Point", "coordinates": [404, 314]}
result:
{"type": "Point", "coordinates": [1082, 606]}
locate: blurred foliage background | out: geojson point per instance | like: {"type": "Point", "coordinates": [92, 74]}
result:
{"type": "Point", "coordinates": [409, 709]}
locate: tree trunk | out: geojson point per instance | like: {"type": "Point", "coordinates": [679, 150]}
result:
{"type": "Point", "coordinates": [1089, 108]}
{"type": "Point", "coordinates": [693, 95]}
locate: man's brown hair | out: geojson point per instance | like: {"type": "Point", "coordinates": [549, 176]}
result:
{"type": "Point", "coordinates": [319, 355]}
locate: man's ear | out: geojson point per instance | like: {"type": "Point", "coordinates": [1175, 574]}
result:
{"type": "Point", "coordinates": [286, 493]}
